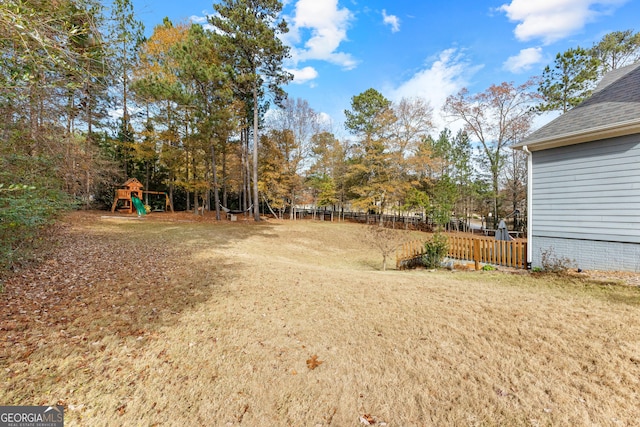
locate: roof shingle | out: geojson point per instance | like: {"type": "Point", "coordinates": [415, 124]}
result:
{"type": "Point", "coordinates": [614, 102]}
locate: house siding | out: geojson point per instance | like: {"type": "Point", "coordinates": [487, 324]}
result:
{"type": "Point", "coordinates": [586, 203]}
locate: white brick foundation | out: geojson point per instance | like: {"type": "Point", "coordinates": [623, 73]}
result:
{"type": "Point", "coordinates": [589, 254]}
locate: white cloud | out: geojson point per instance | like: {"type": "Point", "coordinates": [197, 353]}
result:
{"type": "Point", "coordinates": [445, 76]}
{"type": "Point", "coordinates": [198, 19]}
{"type": "Point", "coordinates": [325, 119]}
{"type": "Point", "coordinates": [391, 20]}
{"type": "Point", "coordinates": [328, 28]}
{"type": "Point", "coordinates": [303, 75]}
{"type": "Point", "coordinates": [524, 60]}
{"type": "Point", "coordinates": [552, 20]}
{"type": "Point", "coordinates": [203, 20]}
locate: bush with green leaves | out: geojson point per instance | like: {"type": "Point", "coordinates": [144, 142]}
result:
{"type": "Point", "coordinates": [24, 212]}
{"type": "Point", "coordinates": [436, 250]}
{"type": "Point", "coordinates": [31, 197]}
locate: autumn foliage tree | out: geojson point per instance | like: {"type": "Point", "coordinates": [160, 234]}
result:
{"type": "Point", "coordinates": [497, 117]}
{"type": "Point", "coordinates": [327, 173]}
{"type": "Point", "coordinates": [276, 181]}
{"type": "Point", "coordinates": [299, 122]}
{"type": "Point", "coordinates": [371, 171]}
{"type": "Point", "coordinates": [156, 84]}
{"type": "Point", "coordinates": [410, 129]}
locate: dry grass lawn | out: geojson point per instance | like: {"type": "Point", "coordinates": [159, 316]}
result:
{"type": "Point", "coordinates": [193, 323]}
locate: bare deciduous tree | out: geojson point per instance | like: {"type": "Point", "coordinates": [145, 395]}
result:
{"type": "Point", "coordinates": [386, 240]}
{"type": "Point", "coordinates": [496, 118]}
{"type": "Point", "coordinates": [301, 122]}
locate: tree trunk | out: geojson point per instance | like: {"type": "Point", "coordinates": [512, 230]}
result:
{"type": "Point", "coordinates": [216, 197]}
{"type": "Point", "coordinates": [195, 177]}
{"type": "Point", "coordinates": [495, 203]}
{"type": "Point", "coordinates": [224, 175]}
{"type": "Point", "coordinates": [256, 206]}
{"type": "Point", "coordinates": [186, 177]}
{"type": "Point", "coordinates": [89, 145]}
{"type": "Point", "coordinates": [171, 186]}
{"type": "Point", "coordinates": [243, 168]}
{"type": "Point", "coordinates": [146, 181]}
{"type": "Point", "coordinates": [248, 198]}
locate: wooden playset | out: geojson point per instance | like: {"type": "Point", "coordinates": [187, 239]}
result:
{"type": "Point", "coordinates": [134, 187]}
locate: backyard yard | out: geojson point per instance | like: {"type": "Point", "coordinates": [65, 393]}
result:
{"type": "Point", "coordinates": [177, 320]}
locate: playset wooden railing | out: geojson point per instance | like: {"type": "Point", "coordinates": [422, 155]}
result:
{"type": "Point", "coordinates": [480, 250]}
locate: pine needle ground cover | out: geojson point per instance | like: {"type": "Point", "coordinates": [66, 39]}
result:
{"type": "Point", "coordinates": [181, 322]}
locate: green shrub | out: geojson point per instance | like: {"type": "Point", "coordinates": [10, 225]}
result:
{"type": "Point", "coordinates": [488, 267]}
{"type": "Point", "coordinates": [435, 251]}
{"type": "Point", "coordinates": [24, 213]}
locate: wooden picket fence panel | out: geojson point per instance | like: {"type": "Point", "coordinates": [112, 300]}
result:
{"type": "Point", "coordinates": [480, 250]}
{"type": "Point", "coordinates": [410, 254]}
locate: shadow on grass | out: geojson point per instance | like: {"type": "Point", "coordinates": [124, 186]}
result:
{"type": "Point", "coordinates": [108, 282]}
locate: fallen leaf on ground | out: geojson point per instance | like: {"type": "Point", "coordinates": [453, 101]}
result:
{"type": "Point", "coordinates": [313, 363]}
{"type": "Point", "coordinates": [367, 420]}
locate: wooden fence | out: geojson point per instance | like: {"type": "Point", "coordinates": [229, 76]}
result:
{"type": "Point", "coordinates": [480, 250]}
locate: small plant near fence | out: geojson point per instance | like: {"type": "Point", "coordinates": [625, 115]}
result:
{"type": "Point", "coordinates": [553, 263]}
{"type": "Point", "coordinates": [436, 250]}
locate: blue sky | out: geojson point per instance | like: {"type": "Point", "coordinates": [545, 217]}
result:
{"type": "Point", "coordinates": [430, 49]}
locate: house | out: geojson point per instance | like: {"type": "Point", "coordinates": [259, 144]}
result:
{"type": "Point", "coordinates": [584, 179]}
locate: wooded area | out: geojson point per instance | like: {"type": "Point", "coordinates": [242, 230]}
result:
{"type": "Point", "coordinates": [87, 102]}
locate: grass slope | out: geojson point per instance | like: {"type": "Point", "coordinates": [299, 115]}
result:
{"type": "Point", "coordinates": [156, 322]}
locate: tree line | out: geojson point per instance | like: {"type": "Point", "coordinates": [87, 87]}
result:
{"type": "Point", "coordinates": [87, 102]}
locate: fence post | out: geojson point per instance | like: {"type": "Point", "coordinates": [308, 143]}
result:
{"type": "Point", "coordinates": [476, 253]}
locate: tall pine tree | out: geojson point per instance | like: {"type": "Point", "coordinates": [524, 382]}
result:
{"type": "Point", "coordinates": [617, 49]}
{"type": "Point", "coordinates": [371, 119]}
{"type": "Point", "coordinates": [569, 81]}
{"type": "Point", "coordinates": [127, 35]}
{"type": "Point", "coordinates": [248, 37]}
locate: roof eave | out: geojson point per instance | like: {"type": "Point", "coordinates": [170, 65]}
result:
{"type": "Point", "coordinates": [593, 134]}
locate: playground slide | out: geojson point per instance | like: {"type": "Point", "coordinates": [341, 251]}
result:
{"type": "Point", "coordinates": [137, 203]}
